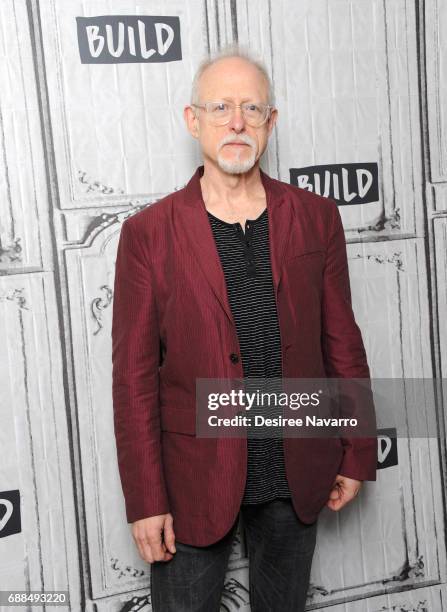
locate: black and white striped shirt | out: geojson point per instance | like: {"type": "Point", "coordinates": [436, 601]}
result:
{"type": "Point", "coordinates": [245, 260]}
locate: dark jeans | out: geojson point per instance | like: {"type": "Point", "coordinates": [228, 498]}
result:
{"type": "Point", "coordinates": [280, 551]}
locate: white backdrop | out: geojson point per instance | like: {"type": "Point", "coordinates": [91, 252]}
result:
{"type": "Point", "coordinates": [83, 145]}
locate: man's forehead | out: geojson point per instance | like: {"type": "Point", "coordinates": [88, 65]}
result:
{"type": "Point", "coordinates": [231, 76]}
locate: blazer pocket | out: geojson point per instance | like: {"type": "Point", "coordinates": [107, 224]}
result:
{"type": "Point", "coordinates": [178, 420]}
{"type": "Point", "coordinates": [310, 254]}
{"type": "Point", "coordinates": [303, 275]}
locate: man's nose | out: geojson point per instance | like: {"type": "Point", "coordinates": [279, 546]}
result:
{"type": "Point", "coordinates": [237, 121]}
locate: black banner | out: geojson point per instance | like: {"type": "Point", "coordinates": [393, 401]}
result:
{"type": "Point", "coordinates": [120, 39]}
{"type": "Point", "coordinates": [347, 184]}
{"type": "Point", "coordinates": [10, 521]}
{"type": "Point", "coordinates": [387, 448]}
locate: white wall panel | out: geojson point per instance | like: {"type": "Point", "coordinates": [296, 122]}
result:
{"type": "Point", "coordinates": [436, 50]}
{"type": "Point", "coordinates": [24, 237]}
{"type": "Point", "coordinates": [441, 284]}
{"type": "Point", "coordinates": [115, 565]}
{"type": "Point", "coordinates": [345, 78]}
{"type": "Point", "coordinates": [118, 129]}
{"type": "Point", "coordinates": [33, 440]}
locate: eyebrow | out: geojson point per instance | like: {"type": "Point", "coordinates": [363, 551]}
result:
{"type": "Point", "coordinates": [231, 100]}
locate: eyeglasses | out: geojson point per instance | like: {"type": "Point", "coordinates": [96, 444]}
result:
{"type": "Point", "coordinates": [220, 113]}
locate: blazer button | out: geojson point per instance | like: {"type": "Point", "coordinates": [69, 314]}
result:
{"type": "Point", "coordinates": [234, 358]}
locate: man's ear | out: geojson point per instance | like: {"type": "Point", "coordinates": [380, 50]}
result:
{"type": "Point", "coordinates": [272, 120]}
{"type": "Point", "coordinates": [191, 120]}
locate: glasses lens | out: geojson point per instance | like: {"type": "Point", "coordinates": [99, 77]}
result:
{"type": "Point", "coordinates": [219, 112]}
{"type": "Point", "coordinates": [255, 114]}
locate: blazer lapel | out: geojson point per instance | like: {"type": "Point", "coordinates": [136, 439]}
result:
{"type": "Point", "coordinates": [200, 239]}
{"type": "Point", "coordinates": [280, 216]}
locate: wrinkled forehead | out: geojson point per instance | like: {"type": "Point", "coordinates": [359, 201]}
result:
{"type": "Point", "coordinates": [234, 79]}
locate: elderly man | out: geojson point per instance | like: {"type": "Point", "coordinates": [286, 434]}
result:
{"type": "Point", "coordinates": [236, 275]}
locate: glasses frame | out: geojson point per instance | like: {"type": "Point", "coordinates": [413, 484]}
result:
{"type": "Point", "coordinates": [268, 107]}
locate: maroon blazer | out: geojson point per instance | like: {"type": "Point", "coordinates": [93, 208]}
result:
{"type": "Point", "coordinates": [172, 323]}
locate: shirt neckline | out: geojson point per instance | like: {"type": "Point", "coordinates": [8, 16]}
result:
{"type": "Point", "coordinates": [228, 224]}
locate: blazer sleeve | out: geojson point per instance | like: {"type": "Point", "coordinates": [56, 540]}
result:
{"type": "Point", "coordinates": [135, 386]}
{"type": "Point", "coordinates": [344, 353]}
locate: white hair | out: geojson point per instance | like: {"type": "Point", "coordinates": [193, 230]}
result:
{"type": "Point", "coordinates": [231, 50]}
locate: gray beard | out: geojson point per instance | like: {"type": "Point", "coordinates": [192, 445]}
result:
{"type": "Point", "coordinates": [237, 166]}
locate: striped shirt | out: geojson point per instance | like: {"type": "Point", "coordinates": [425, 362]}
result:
{"type": "Point", "coordinates": [245, 260]}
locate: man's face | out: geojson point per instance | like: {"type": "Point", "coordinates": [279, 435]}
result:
{"type": "Point", "coordinates": [236, 146]}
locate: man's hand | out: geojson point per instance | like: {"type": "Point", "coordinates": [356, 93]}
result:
{"type": "Point", "coordinates": [155, 538]}
{"type": "Point", "coordinates": [343, 491]}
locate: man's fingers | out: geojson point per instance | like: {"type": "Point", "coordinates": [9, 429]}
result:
{"type": "Point", "coordinates": [144, 550]}
{"type": "Point", "coordinates": [149, 535]}
{"type": "Point", "coordinates": [343, 492]}
{"type": "Point", "coordinates": [336, 504]}
{"type": "Point", "coordinates": [334, 494]}
{"type": "Point", "coordinates": [339, 502]}
{"type": "Point", "coordinates": [170, 541]}
{"type": "Point", "coordinates": [149, 546]}
{"type": "Point", "coordinates": [169, 535]}
{"type": "Point", "coordinates": [151, 550]}
{"type": "Point", "coordinates": [157, 548]}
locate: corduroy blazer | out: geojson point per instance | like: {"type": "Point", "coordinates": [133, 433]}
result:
{"type": "Point", "coordinates": [172, 324]}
